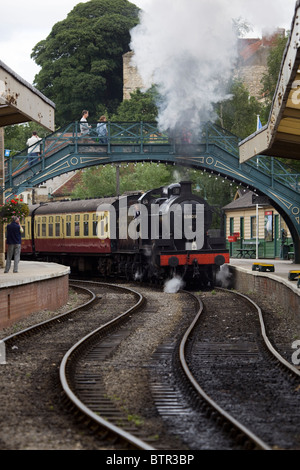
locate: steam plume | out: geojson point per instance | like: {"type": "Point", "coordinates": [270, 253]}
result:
{"type": "Point", "coordinates": [172, 286]}
{"type": "Point", "coordinates": [188, 49]}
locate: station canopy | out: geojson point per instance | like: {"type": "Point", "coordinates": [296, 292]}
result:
{"type": "Point", "coordinates": [281, 136]}
{"type": "Point", "coordinates": [21, 102]}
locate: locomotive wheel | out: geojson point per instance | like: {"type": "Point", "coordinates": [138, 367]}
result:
{"type": "Point", "coordinates": [137, 272]}
{"type": "Point", "coordinates": [128, 272]}
{"type": "Point", "coordinates": [215, 270]}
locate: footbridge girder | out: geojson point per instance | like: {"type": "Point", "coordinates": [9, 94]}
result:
{"type": "Point", "coordinates": [212, 150]}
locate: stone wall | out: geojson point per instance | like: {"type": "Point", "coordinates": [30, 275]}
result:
{"type": "Point", "coordinates": [285, 297]}
{"type": "Point", "coordinates": [250, 71]}
{"type": "Point", "coordinates": [131, 78]}
{"type": "Point", "coordinates": [251, 76]}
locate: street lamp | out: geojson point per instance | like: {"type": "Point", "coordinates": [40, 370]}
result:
{"type": "Point", "coordinates": [199, 189]}
{"type": "Point", "coordinates": [257, 229]}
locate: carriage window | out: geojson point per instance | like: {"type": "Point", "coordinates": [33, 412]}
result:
{"type": "Point", "coordinates": [50, 227]}
{"type": "Point", "coordinates": [57, 226]}
{"type": "Point", "coordinates": [103, 226]}
{"type": "Point", "coordinates": [95, 222]}
{"type": "Point", "coordinates": [101, 229]}
{"type": "Point", "coordinates": [77, 226]}
{"type": "Point", "coordinates": [86, 225]}
{"type": "Point", "coordinates": [68, 226]}
{"type": "Point", "coordinates": [23, 233]}
{"type": "Point", "coordinates": [44, 227]}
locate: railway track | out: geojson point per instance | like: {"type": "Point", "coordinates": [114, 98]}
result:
{"type": "Point", "coordinates": [169, 400]}
{"type": "Point", "coordinates": [31, 371]}
{"type": "Point", "coordinates": [176, 406]}
{"type": "Point", "coordinates": [242, 374]}
{"type": "Point", "coordinates": [83, 386]}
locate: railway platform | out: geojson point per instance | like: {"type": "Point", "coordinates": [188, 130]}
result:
{"type": "Point", "coordinates": [275, 284]}
{"type": "Point", "coordinates": [37, 286]}
{"type": "Point", "coordinates": [281, 269]}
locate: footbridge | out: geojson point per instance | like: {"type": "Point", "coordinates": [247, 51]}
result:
{"type": "Point", "coordinates": [212, 149]}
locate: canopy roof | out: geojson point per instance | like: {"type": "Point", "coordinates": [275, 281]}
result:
{"type": "Point", "coordinates": [281, 136]}
{"type": "Point", "coordinates": [21, 102]}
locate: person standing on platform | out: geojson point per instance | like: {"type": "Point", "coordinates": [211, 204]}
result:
{"type": "Point", "coordinates": [34, 149]}
{"type": "Point", "coordinates": [14, 241]}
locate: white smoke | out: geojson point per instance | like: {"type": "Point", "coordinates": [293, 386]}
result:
{"type": "Point", "coordinates": [173, 285]}
{"type": "Point", "coordinates": [266, 16]}
{"type": "Point", "coordinates": [224, 276]}
{"type": "Point", "coordinates": [188, 48]}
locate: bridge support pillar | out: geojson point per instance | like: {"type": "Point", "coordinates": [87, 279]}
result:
{"type": "Point", "coordinates": [297, 251]}
{"type": "Point", "coordinates": [2, 197]}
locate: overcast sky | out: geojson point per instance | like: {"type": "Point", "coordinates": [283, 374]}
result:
{"type": "Point", "coordinates": [25, 23]}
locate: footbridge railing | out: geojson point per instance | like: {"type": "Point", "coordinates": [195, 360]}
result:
{"type": "Point", "coordinates": [210, 149]}
{"type": "Point", "coordinates": [137, 141]}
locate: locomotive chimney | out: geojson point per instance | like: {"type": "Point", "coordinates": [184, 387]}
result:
{"type": "Point", "coordinates": [186, 187]}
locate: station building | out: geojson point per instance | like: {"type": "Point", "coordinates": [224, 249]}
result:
{"type": "Point", "coordinates": [242, 231]}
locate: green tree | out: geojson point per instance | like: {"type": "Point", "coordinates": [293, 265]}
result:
{"type": "Point", "coordinates": [146, 176]}
{"type": "Point", "coordinates": [270, 78]}
{"type": "Point", "coordinates": [81, 59]}
{"type": "Point", "coordinates": [96, 182]}
{"type": "Point", "coordinates": [140, 107]}
{"type": "Point", "coordinates": [239, 113]}
{"type": "Point", "coordinates": [269, 82]}
{"type": "Point", "coordinates": [15, 136]}
{"type": "Point", "coordinates": [101, 181]}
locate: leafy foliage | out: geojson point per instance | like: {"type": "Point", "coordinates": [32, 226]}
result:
{"type": "Point", "coordinates": [81, 59]}
{"type": "Point", "coordinates": [239, 113]}
{"type": "Point", "coordinates": [270, 79]}
{"type": "Point", "coordinates": [16, 136]}
{"type": "Point", "coordinates": [101, 181]}
{"type": "Point", "coordinates": [269, 83]}
{"type": "Point", "coordinates": [140, 107]}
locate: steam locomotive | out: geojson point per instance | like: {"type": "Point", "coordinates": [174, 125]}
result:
{"type": "Point", "coordinates": [154, 236]}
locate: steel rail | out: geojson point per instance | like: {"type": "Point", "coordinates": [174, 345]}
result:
{"type": "Point", "coordinates": [268, 343]}
{"type": "Point", "coordinates": [224, 415]}
{"type": "Point", "coordinates": [56, 319]}
{"type": "Point", "coordinates": [66, 360]}
{"type": "Point", "coordinates": [65, 372]}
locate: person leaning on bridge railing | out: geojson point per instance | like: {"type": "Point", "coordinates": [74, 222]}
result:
{"type": "Point", "coordinates": [34, 149]}
{"type": "Point", "coordinates": [102, 130]}
{"type": "Point", "coordinates": [84, 127]}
